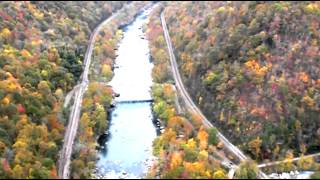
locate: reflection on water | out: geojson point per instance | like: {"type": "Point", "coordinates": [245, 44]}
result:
{"type": "Point", "coordinates": [131, 127]}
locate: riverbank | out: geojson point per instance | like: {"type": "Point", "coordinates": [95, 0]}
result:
{"type": "Point", "coordinates": [129, 148]}
{"type": "Point", "coordinates": [98, 97]}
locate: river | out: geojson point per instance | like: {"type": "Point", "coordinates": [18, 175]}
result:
{"type": "Point", "coordinates": [131, 130]}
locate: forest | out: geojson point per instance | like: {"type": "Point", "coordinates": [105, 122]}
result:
{"type": "Point", "coordinates": [254, 74]}
{"type": "Point", "coordinates": [185, 149]}
{"type": "Point", "coordinates": [253, 68]}
{"type": "Point", "coordinates": [42, 45]}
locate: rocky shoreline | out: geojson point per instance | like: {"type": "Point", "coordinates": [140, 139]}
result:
{"type": "Point", "coordinates": [149, 163]}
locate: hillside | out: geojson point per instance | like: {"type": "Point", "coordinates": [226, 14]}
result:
{"type": "Point", "coordinates": [251, 68]}
{"type": "Point", "coordinates": [185, 148]}
{"type": "Point", "coordinates": [42, 45]}
{"type": "Point", "coordinates": [256, 76]}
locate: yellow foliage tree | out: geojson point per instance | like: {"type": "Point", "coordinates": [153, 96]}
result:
{"type": "Point", "coordinates": [169, 135]}
{"type": "Point", "coordinates": [259, 71]}
{"type": "Point", "coordinates": [106, 70]}
{"type": "Point", "coordinates": [59, 93]}
{"type": "Point", "coordinates": [203, 138]}
{"type": "Point", "coordinates": [191, 144]}
{"type": "Point", "coordinates": [176, 160]}
{"type": "Point", "coordinates": [288, 162]}
{"type": "Point", "coordinates": [5, 33]}
{"type": "Point", "coordinates": [203, 155]}
{"type": "Point", "coordinates": [306, 163]}
{"type": "Point", "coordinates": [219, 174]}
{"type": "Point", "coordinates": [196, 168]}
{"type": "Point", "coordinates": [309, 101]}
{"type": "Point", "coordinates": [5, 101]}
{"type": "Point", "coordinates": [18, 172]}
{"type": "Point", "coordinates": [255, 146]}
{"type": "Point", "coordinates": [22, 122]}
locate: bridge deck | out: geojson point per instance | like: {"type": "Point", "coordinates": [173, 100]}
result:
{"type": "Point", "coordinates": [134, 101]}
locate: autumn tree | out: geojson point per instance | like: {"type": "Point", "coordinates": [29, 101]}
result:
{"type": "Point", "coordinates": [220, 174]}
{"type": "Point", "coordinates": [247, 170]}
{"type": "Point", "coordinates": [255, 146]}
{"type": "Point", "coordinates": [203, 138]}
{"type": "Point", "coordinates": [306, 163]}
{"type": "Point", "coordinates": [100, 117]}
